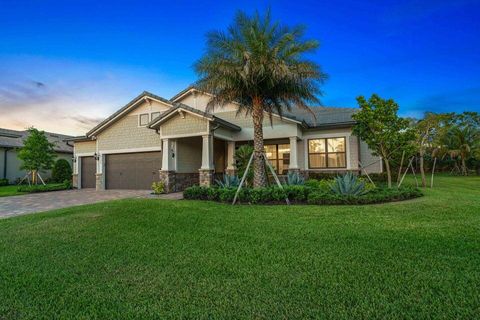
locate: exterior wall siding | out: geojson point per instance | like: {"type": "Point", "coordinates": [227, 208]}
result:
{"type": "Point", "coordinates": [127, 134]}
{"type": "Point", "coordinates": [2, 163]}
{"type": "Point", "coordinates": [373, 163]}
{"type": "Point", "coordinates": [189, 124]}
{"type": "Point", "coordinates": [85, 147]}
{"type": "Point", "coordinates": [189, 154]}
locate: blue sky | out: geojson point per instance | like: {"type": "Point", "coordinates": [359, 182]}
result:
{"type": "Point", "coordinates": [64, 65]}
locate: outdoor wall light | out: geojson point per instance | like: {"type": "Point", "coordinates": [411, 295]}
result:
{"type": "Point", "coordinates": [96, 156]}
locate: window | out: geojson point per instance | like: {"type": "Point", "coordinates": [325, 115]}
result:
{"type": "Point", "coordinates": [327, 153]}
{"type": "Point", "coordinates": [155, 115]}
{"type": "Point", "coordinates": [143, 119]}
{"type": "Point", "coordinates": [279, 156]}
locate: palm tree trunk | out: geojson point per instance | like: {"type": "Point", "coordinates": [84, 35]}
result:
{"type": "Point", "coordinates": [259, 178]}
{"type": "Point", "coordinates": [464, 167]}
{"type": "Point", "coordinates": [422, 171]}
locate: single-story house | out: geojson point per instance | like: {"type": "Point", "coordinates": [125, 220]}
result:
{"type": "Point", "coordinates": [12, 140]}
{"type": "Point", "coordinates": [181, 143]}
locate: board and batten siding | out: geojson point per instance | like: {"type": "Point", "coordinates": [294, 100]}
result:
{"type": "Point", "coordinates": [189, 154]}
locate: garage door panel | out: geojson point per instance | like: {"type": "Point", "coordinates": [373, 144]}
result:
{"type": "Point", "coordinates": [132, 170]}
{"type": "Point", "coordinates": [87, 173]}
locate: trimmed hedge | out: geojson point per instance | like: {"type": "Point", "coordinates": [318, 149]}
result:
{"type": "Point", "coordinates": [45, 188]}
{"type": "Point", "coordinates": [3, 182]}
{"type": "Point", "coordinates": [299, 194]}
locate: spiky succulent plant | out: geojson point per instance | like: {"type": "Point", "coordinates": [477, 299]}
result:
{"type": "Point", "coordinates": [348, 184]}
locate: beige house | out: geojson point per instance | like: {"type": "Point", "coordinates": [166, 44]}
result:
{"type": "Point", "coordinates": [177, 141]}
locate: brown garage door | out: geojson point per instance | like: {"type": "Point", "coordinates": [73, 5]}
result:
{"type": "Point", "coordinates": [88, 172]}
{"type": "Point", "coordinates": [132, 170]}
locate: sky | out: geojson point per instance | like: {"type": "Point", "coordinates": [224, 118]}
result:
{"type": "Point", "coordinates": [66, 65]}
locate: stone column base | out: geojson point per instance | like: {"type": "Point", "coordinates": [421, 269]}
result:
{"type": "Point", "coordinates": [75, 180]}
{"type": "Point", "coordinates": [231, 172]}
{"type": "Point", "coordinates": [99, 182]}
{"type": "Point", "coordinates": [168, 178]}
{"type": "Point", "coordinates": [205, 177]}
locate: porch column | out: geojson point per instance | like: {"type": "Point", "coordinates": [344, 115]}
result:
{"type": "Point", "coordinates": [99, 177]}
{"type": "Point", "coordinates": [293, 166]}
{"type": "Point", "coordinates": [231, 168]}
{"type": "Point", "coordinates": [75, 163]}
{"type": "Point", "coordinates": [206, 171]}
{"type": "Point", "coordinates": [167, 173]}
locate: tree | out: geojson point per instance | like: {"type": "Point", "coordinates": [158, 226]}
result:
{"type": "Point", "coordinates": [461, 142]}
{"type": "Point", "coordinates": [381, 128]}
{"type": "Point", "coordinates": [427, 130]}
{"type": "Point", "coordinates": [37, 153]}
{"type": "Point", "coordinates": [61, 171]}
{"type": "Point", "coordinates": [259, 65]}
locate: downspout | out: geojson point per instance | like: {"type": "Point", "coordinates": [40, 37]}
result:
{"type": "Point", "coordinates": [359, 152]}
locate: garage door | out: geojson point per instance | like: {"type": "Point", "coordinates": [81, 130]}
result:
{"type": "Point", "coordinates": [88, 172]}
{"type": "Point", "coordinates": [132, 170]}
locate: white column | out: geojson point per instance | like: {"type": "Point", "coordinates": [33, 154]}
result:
{"type": "Point", "coordinates": [168, 162]}
{"type": "Point", "coordinates": [231, 155]}
{"type": "Point", "coordinates": [207, 152]}
{"type": "Point", "coordinates": [293, 153]}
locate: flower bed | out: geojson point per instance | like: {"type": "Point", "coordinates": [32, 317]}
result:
{"type": "Point", "coordinates": [301, 194]}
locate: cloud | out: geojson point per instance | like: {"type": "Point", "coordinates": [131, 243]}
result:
{"type": "Point", "coordinates": [69, 97]}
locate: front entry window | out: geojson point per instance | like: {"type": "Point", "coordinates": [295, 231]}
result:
{"type": "Point", "coordinates": [279, 156]}
{"type": "Point", "coordinates": [327, 153]}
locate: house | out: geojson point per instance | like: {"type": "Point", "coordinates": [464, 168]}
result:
{"type": "Point", "coordinates": [181, 143]}
{"type": "Point", "coordinates": [12, 140]}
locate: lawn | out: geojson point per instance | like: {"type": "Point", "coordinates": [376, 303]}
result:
{"type": "Point", "coordinates": [6, 191]}
{"type": "Point", "coordinates": [185, 259]}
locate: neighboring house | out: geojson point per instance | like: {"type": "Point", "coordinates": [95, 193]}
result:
{"type": "Point", "coordinates": [12, 140]}
{"type": "Point", "coordinates": [178, 142]}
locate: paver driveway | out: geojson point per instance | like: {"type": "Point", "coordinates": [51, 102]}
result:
{"type": "Point", "coordinates": [38, 202]}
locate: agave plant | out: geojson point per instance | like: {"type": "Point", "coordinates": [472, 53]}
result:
{"type": "Point", "coordinates": [348, 184]}
{"type": "Point", "coordinates": [228, 181]}
{"type": "Point", "coordinates": [295, 179]}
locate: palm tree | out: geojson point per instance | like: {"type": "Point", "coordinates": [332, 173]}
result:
{"type": "Point", "coordinates": [259, 65]}
{"type": "Point", "coordinates": [460, 142]}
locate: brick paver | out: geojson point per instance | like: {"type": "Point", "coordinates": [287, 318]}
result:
{"type": "Point", "coordinates": [38, 202]}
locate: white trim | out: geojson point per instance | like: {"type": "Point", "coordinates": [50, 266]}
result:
{"type": "Point", "coordinates": [176, 113]}
{"type": "Point", "coordinates": [133, 150]}
{"type": "Point", "coordinates": [185, 135]}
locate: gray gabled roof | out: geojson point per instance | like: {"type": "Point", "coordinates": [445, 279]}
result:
{"type": "Point", "coordinates": [324, 116]}
{"type": "Point", "coordinates": [209, 116]}
{"type": "Point", "coordinates": [128, 105]}
{"type": "Point", "coordinates": [14, 139]}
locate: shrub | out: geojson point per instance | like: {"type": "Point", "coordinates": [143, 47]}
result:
{"type": "Point", "coordinates": [228, 181]}
{"type": "Point", "coordinates": [61, 171]}
{"type": "Point", "coordinates": [322, 175]}
{"type": "Point", "coordinates": [158, 187]}
{"type": "Point", "coordinates": [319, 184]}
{"type": "Point", "coordinates": [348, 184]}
{"type": "Point", "coordinates": [196, 193]}
{"type": "Point", "coordinates": [297, 193]}
{"type": "Point", "coordinates": [295, 179]}
{"type": "Point", "coordinates": [3, 182]}
{"type": "Point", "coordinates": [44, 188]}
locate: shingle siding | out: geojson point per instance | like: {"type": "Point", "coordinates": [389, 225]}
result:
{"type": "Point", "coordinates": [126, 134]}
{"type": "Point", "coordinates": [188, 124]}
{"type": "Point", "coordinates": [85, 147]}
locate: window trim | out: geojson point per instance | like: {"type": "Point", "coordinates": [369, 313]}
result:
{"type": "Point", "coordinates": [140, 119]}
{"type": "Point", "coordinates": [326, 153]}
{"type": "Point", "coordinates": [277, 159]}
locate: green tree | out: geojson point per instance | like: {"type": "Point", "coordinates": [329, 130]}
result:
{"type": "Point", "coordinates": [37, 153]}
{"type": "Point", "coordinates": [427, 131]}
{"type": "Point", "coordinates": [462, 142]}
{"type": "Point", "coordinates": [261, 66]}
{"type": "Point", "coordinates": [382, 129]}
{"type": "Point", "coordinates": [61, 171]}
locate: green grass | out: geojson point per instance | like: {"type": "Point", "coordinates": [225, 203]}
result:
{"type": "Point", "coordinates": [11, 190]}
{"type": "Point", "coordinates": [191, 259]}
{"type": "Point", "coordinates": [6, 191]}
